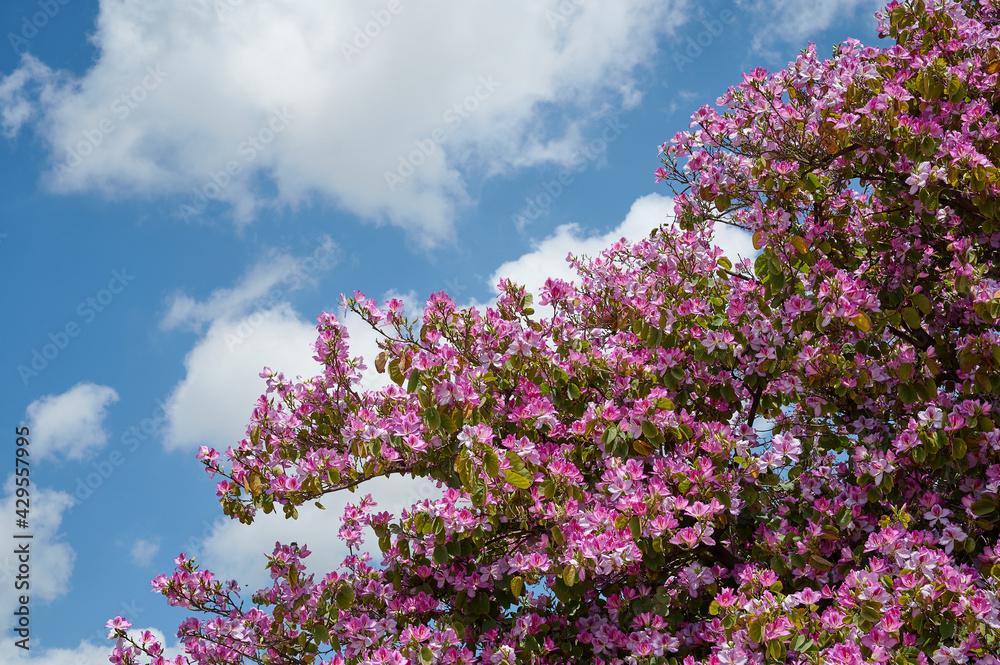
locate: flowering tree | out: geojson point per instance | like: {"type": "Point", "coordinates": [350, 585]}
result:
{"type": "Point", "coordinates": [608, 495]}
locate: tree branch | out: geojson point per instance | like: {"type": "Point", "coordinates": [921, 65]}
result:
{"type": "Point", "coordinates": [753, 406]}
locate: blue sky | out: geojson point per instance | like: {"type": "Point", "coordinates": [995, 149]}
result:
{"type": "Point", "coordinates": [188, 183]}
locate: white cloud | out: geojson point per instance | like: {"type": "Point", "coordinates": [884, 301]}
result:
{"type": "Point", "coordinates": [795, 21]}
{"type": "Point", "coordinates": [249, 327]}
{"type": "Point", "coordinates": [213, 403]}
{"type": "Point", "coordinates": [50, 559]}
{"type": "Point", "coordinates": [70, 425]}
{"type": "Point", "coordinates": [143, 551]}
{"type": "Point", "coordinates": [86, 653]}
{"type": "Point", "coordinates": [266, 285]}
{"type": "Point", "coordinates": [178, 92]}
{"type": "Point", "coordinates": [236, 551]}
{"type": "Point", "coordinates": [548, 258]}
{"type": "Point", "coordinates": [735, 242]}
{"type": "Point", "coordinates": [93, 651]}
{"type": "Point", "coordinates": [21, 92]}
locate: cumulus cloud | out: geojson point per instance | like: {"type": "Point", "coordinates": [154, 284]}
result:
{"type": "Point", "coordinates": [267, 284]}
{"type": "Point", "coordinates": [213, 402]}
{"type": "Point", "coordinates": [795, 21]}
{"type": "Point", "coordinates": [51, 559]}
{"type": "Point", "coordinates": [548, 257]}
{"type": "Point", "coordinates": [86, 653]}
{"type": "Point", "coordinates": [236, 551]}
{"type": "Point", "coordinates": [70, 425]}
{"type": "Point", "coordinates": [383, 113]}
{"type": "Point", "coordinates": [92, 651]}
{"type": "Point", "coordinates": [244, 329]}
{"type": "Point", "coordinates": [143, 551]}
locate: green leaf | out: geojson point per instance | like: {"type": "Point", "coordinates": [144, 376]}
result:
{"type": "Point", "coordinates": [869, 613]}
{"type": "Point", "coordinates": [432, 418]}
{"type": "Point", "coordinates": [414, 381]}
{"type": "Point", "coordinates": [777, 281]}
{"type": "Point", "coordinates": [634, 527]}
{"type": "Point", "coordinates": [569, 575]}
{"type": "Point", "coordinates": [725, 263]}
{"type": "Point", "coordinates": [447, 423]}
{"type": "Point", "coordinates": [844, 516]}
{"type": "Point", "coordinates": [515, 461]}
{"type": "Point", "coordinates": [912, 317]}
{"type": "Point", "coordinates": [395, 373]}
{"type": "Point", "coordinates": [907, 393]}
{"type": "Point", "coordinates": [426, 655]}
{"type": "Point", "coordinates": [819, 563]}
{"type": "Point", "coordinates": [492, 463]}
{"type": "Point", "coordinates": [958, 449]}
{"type": "Point", "coordinates": [760, 265]}
{"type": "Point", "coordinates": [320, 634]}
{"type": "Point", "coordinates": [984, 507]}
{"type": "Point", "coordinates": [642, 448]}
{"type": "Point", "coordinates": [518, 480]}
{"type": "Point", "coordinates": [649, 430]}
{"type": "Point", "coordinates": [921, 301]}
{"type": "Point", "coordinates": [517, 585]}
{"type": "Point", "coordinates": [947, 629]}
{"type": "Point", "coordinates": [345, 598]}
{"type": "Point", "coordinates": [461, 460]}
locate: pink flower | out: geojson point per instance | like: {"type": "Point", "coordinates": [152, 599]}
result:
{"type": "Point", "coordinates": [952, 534]}
{"type": "Point", "coordinates": [937, 515]}
{"type": "Point", "coordinates": [116, 624]}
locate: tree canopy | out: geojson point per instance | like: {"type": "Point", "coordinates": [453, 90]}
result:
{"type": "Point", "coordinates": [680, 457]}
